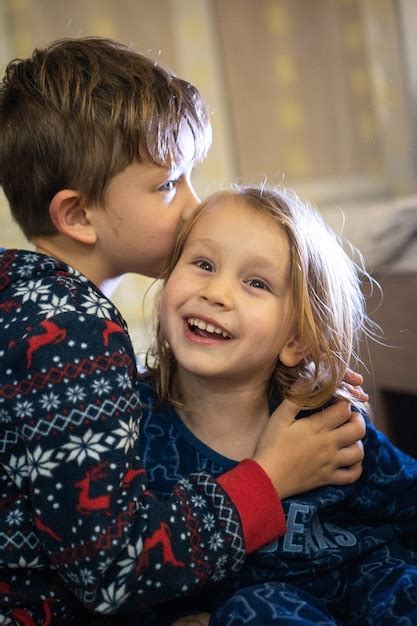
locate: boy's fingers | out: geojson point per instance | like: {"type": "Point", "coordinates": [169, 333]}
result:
{"type": "Point", "coordinates": [356, 392]}
{"type": "Point", "coordinates": [350, 432]}
{"type": "Point", "coordinates": [351, 456]}
{"type": "Point", "coordinates": [347, 475]}
{"type": "Point", "coordinates": [353, 378]}
{"type": "Point", "coordinates": [332, 416]}
{"type": "Point", "coordinates": [287, 411]}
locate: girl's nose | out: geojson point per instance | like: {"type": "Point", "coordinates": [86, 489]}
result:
{"type": "Point", "coordinates": [217, 292]}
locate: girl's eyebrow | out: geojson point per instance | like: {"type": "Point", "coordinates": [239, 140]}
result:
{"type": "Point", "coordinates": [264, 263]}
{"type": "Point", "coordinates": [195, 242]}
{"type": "Point", "coordinates": [258, 262]}
{"type": "Point", "coordinates": [274, 271]}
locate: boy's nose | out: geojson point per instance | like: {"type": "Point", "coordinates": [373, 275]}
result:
{"type": "Point", "coordinates": [191, 202]}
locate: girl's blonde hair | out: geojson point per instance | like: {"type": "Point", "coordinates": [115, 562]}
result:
{"type": "Point", "coordinates": [326, 289]}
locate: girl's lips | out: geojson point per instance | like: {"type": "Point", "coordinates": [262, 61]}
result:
{"type": "Point", "coordinates": [214, 339]}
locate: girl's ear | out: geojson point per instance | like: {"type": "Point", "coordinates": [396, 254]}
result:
{"type": "Point", "coordinates": [293, 352]}
{"type": "Point", "coordinates": [70, 217]}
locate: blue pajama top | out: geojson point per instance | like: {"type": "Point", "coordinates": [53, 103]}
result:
{"type": "Point", "coordinates": [330, 529]}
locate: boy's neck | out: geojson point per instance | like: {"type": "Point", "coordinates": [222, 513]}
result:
{"type": "Point", "coordinates": [227, 417]}
{"type": "Point", "coordinates": [80, 257]}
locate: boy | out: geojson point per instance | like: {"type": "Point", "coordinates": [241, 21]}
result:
{"type": "Point", "coordinates": [97, 149]}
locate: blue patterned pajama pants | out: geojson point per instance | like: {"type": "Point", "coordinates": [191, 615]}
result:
{"type": "Point", "coordinates": [382, 592]}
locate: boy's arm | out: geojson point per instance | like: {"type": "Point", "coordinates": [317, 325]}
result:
{"type": "Point", "coordinates": [116, 545]}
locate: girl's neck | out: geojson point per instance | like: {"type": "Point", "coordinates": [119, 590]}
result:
{"type": "Point", "coordinates": [228, 417]}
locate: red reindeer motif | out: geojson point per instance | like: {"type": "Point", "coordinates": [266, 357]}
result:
{"type": "Point", "coordinates": [45, 529]}
{"type": "Point", "coordinates": [23, 618]}
{"type": "Point", "coordinates": [130, 476]}
{"type": "Point", "coordinates": [162, 535]}
{"type": "Point", "coordinates": [110, 328]}
{"type": "Point", "coordinates": [87, 504]}
{"type": "Point", "coordinates": [53, 334]}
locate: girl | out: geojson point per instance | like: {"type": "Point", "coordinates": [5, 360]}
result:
{"type": "Point", "coordinates": [259, 294]}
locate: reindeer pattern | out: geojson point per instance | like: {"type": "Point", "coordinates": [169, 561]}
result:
{"type": "Point", "coordinates": [74, 494]}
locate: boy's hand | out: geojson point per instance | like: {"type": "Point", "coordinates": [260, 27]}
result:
{"type": "Point", "coordinates": [352, 383]}
{"type": "Point", "coordinates": [197, 619]}
{"type": "Point", "coordinates": [322, 449]}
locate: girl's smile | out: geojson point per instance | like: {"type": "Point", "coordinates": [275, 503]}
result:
{"type": "Point", "coordinates": [203, 330]}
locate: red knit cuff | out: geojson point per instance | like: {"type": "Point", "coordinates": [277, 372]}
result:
{"type": "Point", "coordinates": [260, 509]}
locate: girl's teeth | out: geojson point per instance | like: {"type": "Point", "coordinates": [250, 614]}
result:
{"type": "Point", "coordinates": [193, 321]}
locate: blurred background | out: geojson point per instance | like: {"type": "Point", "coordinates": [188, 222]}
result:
{"type": "Point", "coordinates": [319, 95]}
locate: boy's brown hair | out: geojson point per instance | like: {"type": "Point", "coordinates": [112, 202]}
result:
{"type": "Point", "coordinates": [78, 112]}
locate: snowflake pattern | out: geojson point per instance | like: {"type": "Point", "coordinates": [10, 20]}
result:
{"type": "Point", "coordinates": [33, 564]}
{"type": "Point", "coordinates": [17, 469]}
{"type": "Point", "coordinates": [75, 394]}
{"type": "Point", "coordinates": [185, 483]}
{"type": "Point", "coordinates": [128, 434]}
{"type": "Point", "coordinates": [198, 501]}
{"type": "Point", "coordinates": [5, 416]}
{"type": "Point", "coordinates": [24, 409]}
{"type": "Point", "coordinates": [40, 463]}
{"type": "Point", "coordinates": [25, 270]}
{"type": "Point", "coordinates": [87, 577]}
{"type": "Point", "coordinates": [55, 306]}
{"type": "Point", "coordinates": [50, 401]}
{"type": "Point", "coordinates": [113, 597]}
{"type": "Point", "coordinates": [129, 564]}
{"type": "Point", "coordinates": [216, 542]}
{"type": "Point", "coordinates": [209, 521]}
{"type": "Point", "coordinates": [30, 257]}
{"type": "Point", "coordinates": [96, 305]}
{"type": "Point", "coordinates": [15, 518]}
{"type": "Point", "coordinates": [101, 387]}
{"type": "Point", "coordinates": [33, 290]}
{"type": "Point", "coordinates": [86, 446]}
{"type": "Point", "coordinates": [222, 561]}
{"type": "Point", "coordinates": [218, 574]}
{"type": "Point", "coordinates": [123, 381]}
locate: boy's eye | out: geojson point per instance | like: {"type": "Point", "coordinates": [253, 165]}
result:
{"type": "Point", "coordinates": [204, 265]}
{"type": "Point", "coordinates": [258, 284]}
{"type": "Point", "coordinates": [168, 186]}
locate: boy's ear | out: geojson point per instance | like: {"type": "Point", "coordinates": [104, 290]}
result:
{"type": "Point", "coordinates": [293, 352]}
{"type": "Point", "coordinates": [70, 218]}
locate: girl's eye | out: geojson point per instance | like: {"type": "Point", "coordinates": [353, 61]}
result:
{"type": "Point", "coordinates": [168, 186]}
{"type": "Point", "coordinates": [258, 284]}
{"type": "Point", "coordinates": [205, 265]}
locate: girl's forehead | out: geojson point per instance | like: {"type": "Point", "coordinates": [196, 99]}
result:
{"type": "Point", "coordinates": [232, 225]}
{"type": "Point", "coordinates": [236, 210]}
